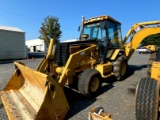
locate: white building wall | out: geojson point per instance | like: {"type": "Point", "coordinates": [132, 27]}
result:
{"type": "Point", "coordinates": [12, 44]}
{"type": "Point", "coordinates": [36, 45]}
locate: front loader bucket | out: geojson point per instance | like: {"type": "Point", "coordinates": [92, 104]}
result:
{"type": "Point", "coordinates": [31, 95]}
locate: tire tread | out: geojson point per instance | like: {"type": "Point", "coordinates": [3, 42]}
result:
{"type": "Point", "coordinates": [84, 80]}
{"type": "Point", "coordinates": [116, 66]}
{"type": "Point", "coordinates": [147, 95]}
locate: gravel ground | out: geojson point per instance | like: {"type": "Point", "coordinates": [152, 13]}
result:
{"type": "Point", "coordinates": [116, 98]}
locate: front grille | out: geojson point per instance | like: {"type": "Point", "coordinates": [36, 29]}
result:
{"type": "Point", "coordinates": [61, 54]}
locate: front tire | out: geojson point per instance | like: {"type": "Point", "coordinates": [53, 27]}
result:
{"type": "Point", "coordinates": [147, 98]}
{"type": "Point", "coordinates": [89, 82]}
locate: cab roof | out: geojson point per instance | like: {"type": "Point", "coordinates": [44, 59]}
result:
{"type": "Point", "coordinates": [98, 18]}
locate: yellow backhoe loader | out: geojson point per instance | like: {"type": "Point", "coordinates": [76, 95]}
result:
{"type": "Point", "coordinates": [98, 54]}
{"type": "Point", "coordinates": [147, 92]}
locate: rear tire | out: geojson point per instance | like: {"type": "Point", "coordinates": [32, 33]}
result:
{"type": "Point", "coordinates": [89, 82]}
{"type": "Point", "coordinates": [147, 98]}
{"type": "Point", "coordinates": [120, 67]}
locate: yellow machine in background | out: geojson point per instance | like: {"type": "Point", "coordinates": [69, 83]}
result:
{"type": "Point", "coordinates": [98, 54]}
{"type": "Point", "coordinates": [147, 92]}
{"type": "Point", "coordinates": [152, 48]}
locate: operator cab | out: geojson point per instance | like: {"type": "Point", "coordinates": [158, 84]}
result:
{"type": "Point", "coordinates": [105, 30]}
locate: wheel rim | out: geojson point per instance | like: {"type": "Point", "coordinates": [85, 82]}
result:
{"type": "Point", "coordinates": [94, 84]}
{"type": "Point", "coordinates": [123, 68]}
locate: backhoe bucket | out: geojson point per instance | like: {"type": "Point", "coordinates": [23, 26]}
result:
{"type": "Point", "coordinates": [31, 95]}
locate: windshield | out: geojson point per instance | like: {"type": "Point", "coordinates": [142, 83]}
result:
{"type": "Point", "coordinates": [107, 33]}
{"type": "Point", "coordinates": [95, 30]}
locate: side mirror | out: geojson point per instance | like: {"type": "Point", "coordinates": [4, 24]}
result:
{"type": "Point", "coordinates": [79, 28]}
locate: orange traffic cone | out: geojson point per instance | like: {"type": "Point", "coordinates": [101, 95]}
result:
{"type": "Point", "coordinates": [32, 58]}
{"type": "Point", "coordinates": [27, 58]}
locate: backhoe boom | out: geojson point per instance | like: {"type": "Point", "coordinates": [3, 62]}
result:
{"type": "Point", "coordinates": [137, 33]}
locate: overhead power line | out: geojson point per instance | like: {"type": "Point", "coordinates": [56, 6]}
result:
{"type": "Point", "coordinates": [10, 12]}
{"type": "Point", "coordinates": [18, 14]}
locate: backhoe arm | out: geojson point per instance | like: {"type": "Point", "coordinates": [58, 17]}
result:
{"type": "Point", "coordinates": [137, 33]}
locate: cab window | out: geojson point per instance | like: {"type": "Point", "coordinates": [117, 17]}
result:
{"type": "Point", "coordinates": [114, 33]}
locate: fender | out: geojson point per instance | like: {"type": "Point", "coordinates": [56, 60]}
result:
{"type": "Point", "coordinates": [116, 53]}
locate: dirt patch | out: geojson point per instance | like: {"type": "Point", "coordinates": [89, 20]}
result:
{"type": "Point", "coordinates": [132, 89]}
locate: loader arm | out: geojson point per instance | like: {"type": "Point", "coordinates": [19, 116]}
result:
{"type": "Point", "coordinates": [73, 61]}
{"type": "Point", "coordinates": [137, 33]}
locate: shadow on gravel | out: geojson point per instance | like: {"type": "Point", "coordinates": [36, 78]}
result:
{"type": "Point", "coordinates": [130, 72]}
{"type": "Point", "coordinates": [78, 102]}
{"type": "Point", "coordinates": [132, 68]}
{"type": "Point", "coordinates": [1, 105]}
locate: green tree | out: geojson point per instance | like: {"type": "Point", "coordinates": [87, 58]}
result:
{"type": "Point", "coordinates": [151, 40]}
{"type": "Point", "coordinates": [50, 29]}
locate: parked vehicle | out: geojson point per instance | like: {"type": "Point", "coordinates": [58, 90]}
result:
{"type": "Point", "coordinates": [143, 50]}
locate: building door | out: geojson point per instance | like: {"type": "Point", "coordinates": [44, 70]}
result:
{"type": "Point", "coordinates": [34, 48]}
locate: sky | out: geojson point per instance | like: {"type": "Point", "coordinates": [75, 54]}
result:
{"type": "Point", "coordinates": [28, 15]}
